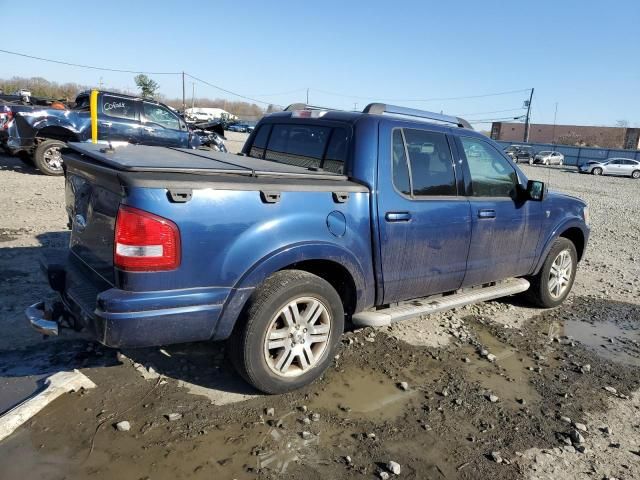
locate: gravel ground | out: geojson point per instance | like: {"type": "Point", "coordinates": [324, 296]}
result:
{"type": "Point", "coordinates": [550, 365]}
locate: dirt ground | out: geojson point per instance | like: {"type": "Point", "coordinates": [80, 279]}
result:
{"type": "Point", "coordinates": [560, 400]}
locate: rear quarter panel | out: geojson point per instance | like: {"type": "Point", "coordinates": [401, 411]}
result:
{"type": "Point", "coordinates": [231, 239]}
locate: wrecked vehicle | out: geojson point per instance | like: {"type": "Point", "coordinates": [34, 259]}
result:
{"type": "Point", "coordinates": [211, 135]}
{"type": "Point", "coordinates": [326, 216]}
{"type": "Point", "coordinates": [41, 132]}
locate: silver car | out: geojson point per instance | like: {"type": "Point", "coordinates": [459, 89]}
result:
{"type": "Point", "coordinates": [549, 157]}
{"type": "Point", "coordinates": [613, 166]}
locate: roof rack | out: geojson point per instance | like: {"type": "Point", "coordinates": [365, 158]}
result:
{"type": "Point", "coordinates": [304, 106]}
{"type": "Point", "coordinates": [380, 108]}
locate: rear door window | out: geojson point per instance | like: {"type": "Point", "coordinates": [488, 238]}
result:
{"type": "Point", "coordinates": [309, 146]}
{"type": "Point", "coordinates": [429, 170]}
{"type": "Point", "coordinates": [119, 107]}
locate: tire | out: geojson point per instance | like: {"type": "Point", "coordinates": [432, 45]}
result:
{"type": "Point", "coordinates": [47, 157]}
{"type": "Point", "coordinates": [531, 161]}
{"type": "Point", "coordinates": [635, 174]}
{"type": "Point", "coordinates": [561, 162]}
{"type": "Point", "coordinates": [541, 292]}
{"type": "Point", "coordinates": [281, 368]}
{"type": "Point", "coordinates": [597, 171]}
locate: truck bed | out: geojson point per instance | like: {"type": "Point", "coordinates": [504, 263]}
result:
{"type": "Point", "coordinates": [140, 158]}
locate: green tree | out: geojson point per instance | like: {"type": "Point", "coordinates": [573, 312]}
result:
{"type": "Point", "coordinates": [147, 86]}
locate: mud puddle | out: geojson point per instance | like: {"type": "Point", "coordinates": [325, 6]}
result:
{"type": "Point", "coordinates": [616, 341]}
{"type": "Point", "coordinates": [364, 393]}
{"type": "Point", "coordinates": [508, 375]}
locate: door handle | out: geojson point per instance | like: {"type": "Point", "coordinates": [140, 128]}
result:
{"type": "Point", "coordinates": [106, 124]}
{"type": "Point", "coordinates": [148, 129]}
{"type": "Point", "coordinates": [397, 216]}
{"type": "Point", "coordinates": [486, 213]}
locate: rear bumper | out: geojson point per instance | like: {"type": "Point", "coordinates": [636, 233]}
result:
{"type": "Point", "coordinates": [37, 316]}
{"type": "Point", "coordinates": [119, 318]}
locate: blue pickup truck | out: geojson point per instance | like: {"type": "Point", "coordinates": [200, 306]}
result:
{"type": "Point", "coordinates": [38, 133]}
{"type": "Point", "coordinates": [325, 217]}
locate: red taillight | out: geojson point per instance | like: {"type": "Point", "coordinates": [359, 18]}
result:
{"type": "Point", "coordinates": [8, 116]}
{"type": "Point", "coordinates": [145, 242]}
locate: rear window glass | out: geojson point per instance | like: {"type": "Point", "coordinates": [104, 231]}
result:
{"type": "Point", "coordinates": [119, 107]}
{"type": "Point", "coordinates": [309, 146]}
{"type": "Point", "coordinates": [82, 103]}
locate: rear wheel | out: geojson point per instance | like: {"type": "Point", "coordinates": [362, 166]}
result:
{"type": "Point", "coordinates": [597, 171]}
{"type": "Point", "coordinates": [48, 158]}
{"type": "Point", "coordinates": [293, 324]}
{"type": "Point", "coordinates": [635, 174]}
{"type": "Point", "coordinates": [550, 287]}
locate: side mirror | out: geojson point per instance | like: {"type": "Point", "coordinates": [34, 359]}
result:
{"type": "Point", "coordinates": [535, 190]}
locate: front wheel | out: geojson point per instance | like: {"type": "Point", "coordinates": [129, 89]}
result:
{"type": "Point", "coordinates": [635, 174]}
{"type": "Point", "coordinates": [293, 324]}
{"type": "Point", "coordinates": [550, 287]}
{"type": "Point", "coordinates": [48, 157]}
{"type": "Point", "coordinates": [597, 171]}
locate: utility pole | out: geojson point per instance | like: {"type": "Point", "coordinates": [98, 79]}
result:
{"type": "Point", "coordinates": [193, 94]}
{"type": "Point", "coordinates": [527, 120]}
{"type": "Point", "coordinates": [184, 105]}
{"type": "Point", "coordinates": [307, 96]}
{"type": "Point", "coordinates": [555, 115]}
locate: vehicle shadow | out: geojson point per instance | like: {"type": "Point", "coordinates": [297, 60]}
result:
{"type": "Point", "coordinates": [15, 164]}
{"type": "Point", "coordinates": [26, 360]}
{"type": "Point", "coordinates": [200, 367]}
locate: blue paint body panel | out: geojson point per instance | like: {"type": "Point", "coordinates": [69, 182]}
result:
{"type": "Point", "coordinates": [232, 239]}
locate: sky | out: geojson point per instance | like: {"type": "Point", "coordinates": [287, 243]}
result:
{"type": "Point", "coordinates": [583, 56]}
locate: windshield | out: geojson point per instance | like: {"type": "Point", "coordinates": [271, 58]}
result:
{"type": "Point", "coordinates": [545, 152]}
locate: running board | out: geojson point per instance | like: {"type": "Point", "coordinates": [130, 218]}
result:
{"type": "Point", "coordinates": [428, 305]}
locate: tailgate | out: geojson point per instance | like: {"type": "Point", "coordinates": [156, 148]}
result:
{"type": "Point", "coordinates": [92, 197]}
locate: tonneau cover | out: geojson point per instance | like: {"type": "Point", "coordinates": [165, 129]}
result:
{"type": "Point", "coordinates": [144, 158]}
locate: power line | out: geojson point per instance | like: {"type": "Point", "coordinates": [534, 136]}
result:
{"type": "Point", "coordinates": [229, 91]}
{"type": "Point", "coordinates": [279, 94]}
{"type": "Point", "coordinates": [106, 69]}
{"type": "Point", "coordinates": [491, 120]}
{"type": "Point", "coordinates": [118, 70]}
{"type": "Point", "coordinates": [435, 99]}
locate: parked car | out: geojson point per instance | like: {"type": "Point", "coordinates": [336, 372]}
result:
{"type": "Point", "coordinates": [326, 216]}
{"type": "Point", "coordinates": [42, 132]}
{"type": "Point", "coordinates": [549, 157]}
{"type": "Point", "coordinates": [520, 153]}
{"type": "Point", "coordinates": [199, 117]}
{"type": "Point", "coordinates": [612, 166]}
{"type": "Point", "coordinates": [238, 127]}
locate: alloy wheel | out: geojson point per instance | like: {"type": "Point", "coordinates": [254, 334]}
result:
{"type": "Point", "coordinates": [53, 158]}
{"type": "Point", "coordinates": [560, 274]}
{"type": "Point", "coordinates": [297, 337]}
